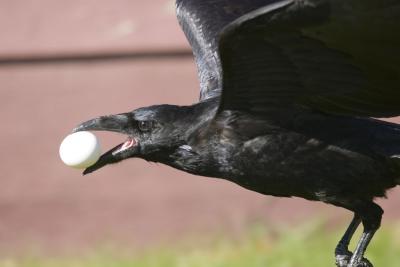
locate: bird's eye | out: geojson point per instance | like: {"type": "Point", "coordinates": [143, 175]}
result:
{"type": "Point", "coordinates": [145, 126]}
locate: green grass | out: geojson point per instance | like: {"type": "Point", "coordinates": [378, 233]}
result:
{"type": "Point", "coordinates": [306, 246]}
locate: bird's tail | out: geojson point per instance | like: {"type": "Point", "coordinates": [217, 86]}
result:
{"type": "Point", "coordinates": [394, 149]}
{"type": "Point", "coordinates": [396, 161]}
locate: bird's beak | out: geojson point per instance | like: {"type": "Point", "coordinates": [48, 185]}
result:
{"type": "Point", "coordinates": [114, 123]}
{"type": "Point", "coordinates": [120, 123]}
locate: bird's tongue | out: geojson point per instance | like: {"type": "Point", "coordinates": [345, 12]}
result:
{"type": "Point", "coordinates": [130, 142]}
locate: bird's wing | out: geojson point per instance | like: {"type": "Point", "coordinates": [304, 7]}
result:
{"type": "Point", "coordinates": [336, 56]}
{"type": "Point", "coordinates": [202, 22]}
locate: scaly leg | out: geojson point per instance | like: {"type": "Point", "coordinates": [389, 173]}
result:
{"type": "Point", "coordinates": [342, 253]}
{"type": "Point", "coordinates": [371, 216]}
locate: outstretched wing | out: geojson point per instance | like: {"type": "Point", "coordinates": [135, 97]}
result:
{"type": "Point", "coordinates": [202, 22]}
{"type": "Point", "coordinates": [336, 56]}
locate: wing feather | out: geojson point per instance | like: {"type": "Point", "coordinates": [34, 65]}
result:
{"type": "Point", "coordinates": [202, 22]}
{"type": "Point", "coordinates": [335, 56]}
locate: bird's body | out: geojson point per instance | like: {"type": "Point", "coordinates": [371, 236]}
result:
{"type": "Point", "coordinates": [296, 159]}
{"type": "Point", "coordinates": [287, 92]}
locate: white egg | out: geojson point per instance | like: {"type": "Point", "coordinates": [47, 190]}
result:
{"type": "Point", "coordinates": [80, 150]}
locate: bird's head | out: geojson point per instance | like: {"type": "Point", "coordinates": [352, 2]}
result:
{"type": "Point", "coordinates": [151, 131]}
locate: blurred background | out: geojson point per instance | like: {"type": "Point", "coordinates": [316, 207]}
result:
{"type": "Point", "coordinates": [63, 62]}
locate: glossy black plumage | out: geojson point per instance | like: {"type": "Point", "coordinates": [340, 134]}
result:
{"type": "Point", "coordinates": [286, 89]}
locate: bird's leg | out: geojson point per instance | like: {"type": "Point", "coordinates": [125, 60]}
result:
{"type": "Point", "coordinates": [371, 216]}
{"type": "Point", "coordinates": [342, 253]}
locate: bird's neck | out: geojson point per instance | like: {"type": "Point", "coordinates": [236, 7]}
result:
{"type": "Point", "coordinates": [186, 159]}
{"type": "Point", "coordinates": [181, 154]}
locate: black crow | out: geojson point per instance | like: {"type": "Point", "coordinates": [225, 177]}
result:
{"type": "Point", "coordinates": [288, 92]}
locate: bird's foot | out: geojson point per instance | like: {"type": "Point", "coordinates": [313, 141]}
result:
{"type": "Point", "coordinates": [343, 259]}
{"type": "Point", "coordinates": [360, 263]}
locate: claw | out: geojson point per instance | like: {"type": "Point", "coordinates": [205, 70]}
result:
{"type": "Point", "coordinates": [362, 263]}
{"type": "Point", "coordinates": [343, 260]}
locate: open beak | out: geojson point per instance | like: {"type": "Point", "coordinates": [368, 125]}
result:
{"type": "Point", "coordinates": [120, 123]}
